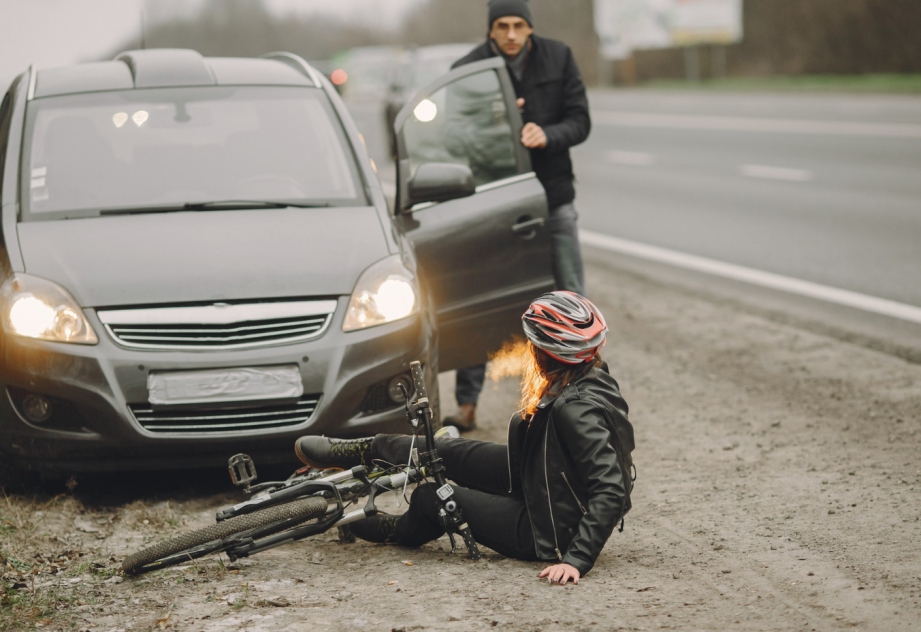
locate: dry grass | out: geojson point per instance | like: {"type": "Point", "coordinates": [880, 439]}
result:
{"type": "Point", "coordinates": [53, 555]}
{"type": "Point", "coordinates": [30, 566]}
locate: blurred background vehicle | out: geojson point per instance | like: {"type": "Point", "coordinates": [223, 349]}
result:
{"type": "Point", "coordinates": [414, 69]}
{"type": "Point", "coordinates": [364, 73]}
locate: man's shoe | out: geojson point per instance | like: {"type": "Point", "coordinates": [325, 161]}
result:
{"type": "Point", "coordinates": [378, 528]}
{"type": "Point", "coordinates": [464, 420]}
{"type": "Point", "coordinates": [322, 452]}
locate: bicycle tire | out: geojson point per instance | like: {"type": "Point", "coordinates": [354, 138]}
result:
{"type": "Point", "coordinates": [295, 512]}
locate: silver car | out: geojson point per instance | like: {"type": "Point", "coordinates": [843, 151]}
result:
{"type": "Point", "coordinates": [197, 257]}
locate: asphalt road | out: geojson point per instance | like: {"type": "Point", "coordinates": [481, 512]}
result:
{"type": "Point", "coordinates": [820, 188]}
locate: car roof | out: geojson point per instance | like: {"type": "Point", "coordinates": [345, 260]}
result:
{"type": "Point", "coordinates": [444, 51]}
{"type": "Point", "coordinates": [165, 67]}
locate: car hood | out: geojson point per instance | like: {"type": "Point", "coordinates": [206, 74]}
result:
{"type": "Point", "coordinates": [205, 256]}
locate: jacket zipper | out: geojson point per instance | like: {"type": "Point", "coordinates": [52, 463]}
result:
{"type": "Point", "coordinates": [508, 453]}
{"type": "Point", "coordinates": [573, 492]}
{"type": "Point", "coordinates": [559, 555]}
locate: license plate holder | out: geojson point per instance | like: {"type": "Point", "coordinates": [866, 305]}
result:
{"type": "Point", "coordinates": [224, 386]}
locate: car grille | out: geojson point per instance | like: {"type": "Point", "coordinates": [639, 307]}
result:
{"type": "Point", "coordinates": [218, 326]}
{"type": "Point", "coordinates": [210, 336]}
{"type": "Point", "coordinates": [225, 420]}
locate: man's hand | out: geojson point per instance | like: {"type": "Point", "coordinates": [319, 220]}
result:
{"type": "Point", "coordinates": [533, 137]}
{"type": "Point", "coordinates": [560, 573]}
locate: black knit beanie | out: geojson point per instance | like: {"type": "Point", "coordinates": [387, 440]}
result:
{"type": "Point", "coordinates": [504, 8]}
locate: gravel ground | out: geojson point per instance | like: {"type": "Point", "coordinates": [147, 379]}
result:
{"type": "Point", "coordinates": [778, 489]}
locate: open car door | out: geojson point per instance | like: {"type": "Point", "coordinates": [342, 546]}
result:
{"type": "Point", "coordinates": [475, 211]}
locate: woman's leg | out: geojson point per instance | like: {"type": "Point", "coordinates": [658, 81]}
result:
{"type": "Point", "coordinates": [478, 465]}
{"type": "Point", "coordinates": [498, 522]}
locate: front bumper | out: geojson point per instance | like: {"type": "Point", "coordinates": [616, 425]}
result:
{"type": "Point", "coordinates": [100, 382]}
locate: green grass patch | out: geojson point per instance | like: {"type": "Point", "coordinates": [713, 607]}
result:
{"type": "Point", "coordinates": [881, 83]}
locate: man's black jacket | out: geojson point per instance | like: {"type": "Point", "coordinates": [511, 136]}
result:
{"type": "Point", "coordinates": [554, 98]}
{"type": "Point", "coordinates": [571, 464]}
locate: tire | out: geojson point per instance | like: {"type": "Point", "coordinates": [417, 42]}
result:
{"type": "Point", "coordinates": [290, 513]}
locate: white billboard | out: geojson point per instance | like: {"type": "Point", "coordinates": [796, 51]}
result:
{"type": "Point", "coordinates": [627, 25]}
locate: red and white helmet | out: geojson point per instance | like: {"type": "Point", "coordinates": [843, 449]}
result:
{"type": "Point", "coordinates": [567, 326]}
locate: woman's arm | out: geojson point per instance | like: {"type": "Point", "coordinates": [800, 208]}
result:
{"type": "Point", "coordinates": [581, 426]}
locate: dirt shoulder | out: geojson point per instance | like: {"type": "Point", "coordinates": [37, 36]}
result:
{"type": "Point", "coordinates": [779, 488]}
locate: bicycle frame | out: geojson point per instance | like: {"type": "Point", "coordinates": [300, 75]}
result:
{"type": "Point", "coordinates": [354, 482]}
{"type": "Point", "coordinates": [336, 516]}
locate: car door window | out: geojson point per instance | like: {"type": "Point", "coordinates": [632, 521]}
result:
{"type": "Point", "coordinates": [465, 122]}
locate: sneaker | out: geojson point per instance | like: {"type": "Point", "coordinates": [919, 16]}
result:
{"type": "Point", "coordinates": [464, 420]}
{"type": "Point", "coordinates": [323, 452]}
{"type": "Point", "coordinates": [378, 528]}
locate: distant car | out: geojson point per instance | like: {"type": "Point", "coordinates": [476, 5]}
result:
{"type": "Point", "coordinates": [414, 69]}
{"type": "Point", "coordinates": [197, 258]}
{"type": "Point", "coordinates": [363, 73]}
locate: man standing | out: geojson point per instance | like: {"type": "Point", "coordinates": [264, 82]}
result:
{"type": "Point", "coordinates": [554, 108]}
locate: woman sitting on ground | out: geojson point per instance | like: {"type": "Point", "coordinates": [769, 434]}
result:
{"type": "Point", "coordinates": [562, 484]}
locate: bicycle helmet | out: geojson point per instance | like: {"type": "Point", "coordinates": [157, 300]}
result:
{"type": "Point", "coordinates": [565, 325]}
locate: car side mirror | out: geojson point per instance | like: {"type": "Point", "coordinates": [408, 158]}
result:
{"type": "Point", "coordinates": [440, 182]}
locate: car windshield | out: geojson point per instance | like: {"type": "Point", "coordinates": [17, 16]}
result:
{"type": "Point", "coordinates": [163, 148]}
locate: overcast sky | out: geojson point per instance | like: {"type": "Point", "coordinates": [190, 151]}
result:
{"type": "Point", "coordinates": [51, 33]}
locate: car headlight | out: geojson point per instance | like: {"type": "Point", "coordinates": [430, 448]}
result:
{"type": "Point", "coordinates": [36, 308]}
{"type": "Point", "coordinates": [385, 292]}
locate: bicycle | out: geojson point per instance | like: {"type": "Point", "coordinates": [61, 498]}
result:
{"type": "Point", "coordinates": [312, 501]}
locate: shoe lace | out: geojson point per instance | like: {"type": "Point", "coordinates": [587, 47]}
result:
{"type": "Point", "coordinates": [350, 449]}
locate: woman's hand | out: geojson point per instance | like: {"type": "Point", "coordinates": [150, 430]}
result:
{"type": "Point", "coordinates": [561, 573]}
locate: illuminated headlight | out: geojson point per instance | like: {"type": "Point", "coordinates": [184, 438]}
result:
{"type": "Point", "coordinates": [385, 292]}
{"type": "Point", "coordinates": [36, 308]}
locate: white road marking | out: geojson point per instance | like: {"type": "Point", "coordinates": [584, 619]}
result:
{"type": "Point", "coordinates": [632, 158]}
{"type": "Point", "coordinates": [775, 173]}
{"type": "Point", "coordinates": [755, 277]}
{"type": "Point", "coordinates": [699, 122]}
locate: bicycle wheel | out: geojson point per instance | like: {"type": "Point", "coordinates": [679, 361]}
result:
{"type": "Point", "coordinates": [196, 543]}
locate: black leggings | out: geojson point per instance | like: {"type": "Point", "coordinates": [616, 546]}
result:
{"type": "Point", "coordinates": [480, 471]}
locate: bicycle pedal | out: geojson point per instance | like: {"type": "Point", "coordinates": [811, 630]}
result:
{"type": "Point", "coordinates": [242, 470]}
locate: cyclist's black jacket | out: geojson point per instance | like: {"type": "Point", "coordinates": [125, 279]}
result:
{"type": "Point", "coordinates": [554, 98]}
{"type": "Point", "coordinates": [571, 464]}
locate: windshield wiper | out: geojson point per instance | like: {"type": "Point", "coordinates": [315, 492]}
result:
{"type": "Point", "coordinates": [244, 204]}
{"type": "Point", "coordinates": [220, 205]}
